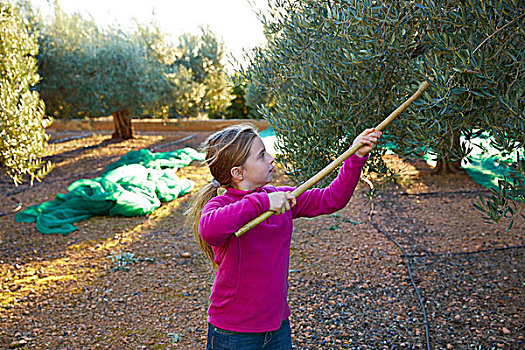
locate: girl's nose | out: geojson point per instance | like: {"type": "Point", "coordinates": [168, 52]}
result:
{"type": "Point", "coordinates": [272, 159]}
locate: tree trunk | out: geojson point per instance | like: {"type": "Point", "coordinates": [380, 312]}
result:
{"type": "Point", "coordinates": [123, 128]}
{"type": "Point", "coordinates": [444, 165]}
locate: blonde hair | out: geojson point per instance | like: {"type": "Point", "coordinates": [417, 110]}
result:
{"type": "Point", "coordinates": [224, 150]}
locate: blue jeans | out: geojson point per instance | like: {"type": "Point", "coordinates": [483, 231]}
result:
{"type": "Point", "coordinates": [220, 339]}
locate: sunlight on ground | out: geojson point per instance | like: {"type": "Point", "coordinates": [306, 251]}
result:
{"type": "Point", "coordinates": [33, 278]}
{"type": "Point", "coordinates": [408, 174]}
{"type": "Point", "coordinates": [89, 258]}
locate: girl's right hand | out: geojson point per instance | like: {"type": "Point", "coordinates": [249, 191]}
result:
{"type": "Point", "coordinates": [369, 139]}
{"type": "Point", "coordinates": [280, 202]}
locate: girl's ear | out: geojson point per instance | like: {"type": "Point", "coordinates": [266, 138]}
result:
{"type": "Point", "coordinates": [237, 173]}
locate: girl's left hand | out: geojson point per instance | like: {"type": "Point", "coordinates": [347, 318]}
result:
{"type": "Point", "coordinates": [369, 139]}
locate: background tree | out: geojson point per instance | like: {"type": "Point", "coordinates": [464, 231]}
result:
{"type": "Point", "coordinates": [22, 115]}
{"type": "Point", "coordinates": [201, 80]}
{"type": "Point", "coordinates": [256, 97]}
{"type": "Point", "coordinates": [90, 72]}
{"type": "Point", "coordinates": [247, 99]}
{"type": "Point", "coordinates": [245, 102]}
{"type": "Point", "coordinates": [238, 108]}
{"type": "Point", "coordinates": [473, 51]}
{"type": "Point", "coordinates": [337, 67]}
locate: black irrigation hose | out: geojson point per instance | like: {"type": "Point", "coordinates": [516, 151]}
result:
{"type": "Point", "coordinates": [422, 194]}
{"type": "Point", "coordinates": [21, 189]}
{"type": "Point", "coordinates": [18, 207]}
{"type": "Point", "coordinates": [409, 269]}
{"type": "Point", "coordinates": [162, 145]}
{"type": "Point", "coordinates": [411, 280]}
{"type": "Point", "coordinates": [466, 253]}
{"type": "Point", "coordinates": [65, 177]}
{"type": "Point", "coordinates": [430, 253]}
{"type": "Point", "coordinates": [76, 137]}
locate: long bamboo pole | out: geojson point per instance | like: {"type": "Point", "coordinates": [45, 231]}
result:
{"type": "Point", "coordinates": [330, 167]}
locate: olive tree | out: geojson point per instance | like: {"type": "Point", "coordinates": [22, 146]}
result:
{"type": "Point", "coordinates": [89, 72]}
{"type": "Point", "coordinates": [336, 67]}
{"type": "Point", "coordinates": [202, 85]}
{"type": "Point", "coordinates": [22, 114]}
{"type": "Point", "coordinates": [256, 96]}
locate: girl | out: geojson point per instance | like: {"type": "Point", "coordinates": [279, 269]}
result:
{"type": "Point", "coordinates": [249, 308]}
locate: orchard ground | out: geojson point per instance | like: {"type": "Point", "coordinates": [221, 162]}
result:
{"type": "Point", "coordinates": [349, 287]}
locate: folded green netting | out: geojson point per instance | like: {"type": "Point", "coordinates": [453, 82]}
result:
{"type": "Point", "coordinates": [135, 185]}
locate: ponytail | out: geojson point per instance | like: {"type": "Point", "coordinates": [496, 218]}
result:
{"type": "Point", "coordinates": [193, 217]}
{"type": "Point", "coordinates": [224, 150]}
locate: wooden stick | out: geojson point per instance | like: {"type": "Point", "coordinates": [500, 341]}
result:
{"type": "Point", "coordinates": [330, 167]}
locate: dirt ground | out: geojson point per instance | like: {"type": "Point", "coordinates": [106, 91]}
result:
{"type": "Point", "coordinates": [349, 284]}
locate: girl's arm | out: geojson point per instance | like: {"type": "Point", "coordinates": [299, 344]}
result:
{"type": "Point", "coordinates": [319, 201]}
{"type": "Point", "coordinates": [337, 195]}
{"type": "Point", "coordinates": [221, 217]}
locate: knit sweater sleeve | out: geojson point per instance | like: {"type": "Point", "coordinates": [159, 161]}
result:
{"type": "Point", "coordinates": [222, 216]}
{"type": "Point", "coordinates": [336, 196]}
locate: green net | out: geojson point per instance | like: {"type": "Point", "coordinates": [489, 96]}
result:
{"type": "Point", "coordinates": [486, 164]}
{"type": "Point", "coordinates": [135, 185]}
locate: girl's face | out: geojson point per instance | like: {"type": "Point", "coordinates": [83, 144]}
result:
{"type": "Point", "coordinates": [257, 171]}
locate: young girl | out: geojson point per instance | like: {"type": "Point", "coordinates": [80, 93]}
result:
{"type": "Point", "coordinates": [249, 308]}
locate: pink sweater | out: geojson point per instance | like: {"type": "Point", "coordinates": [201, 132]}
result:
{"type": "Point", "coordinates": [250, 290]}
